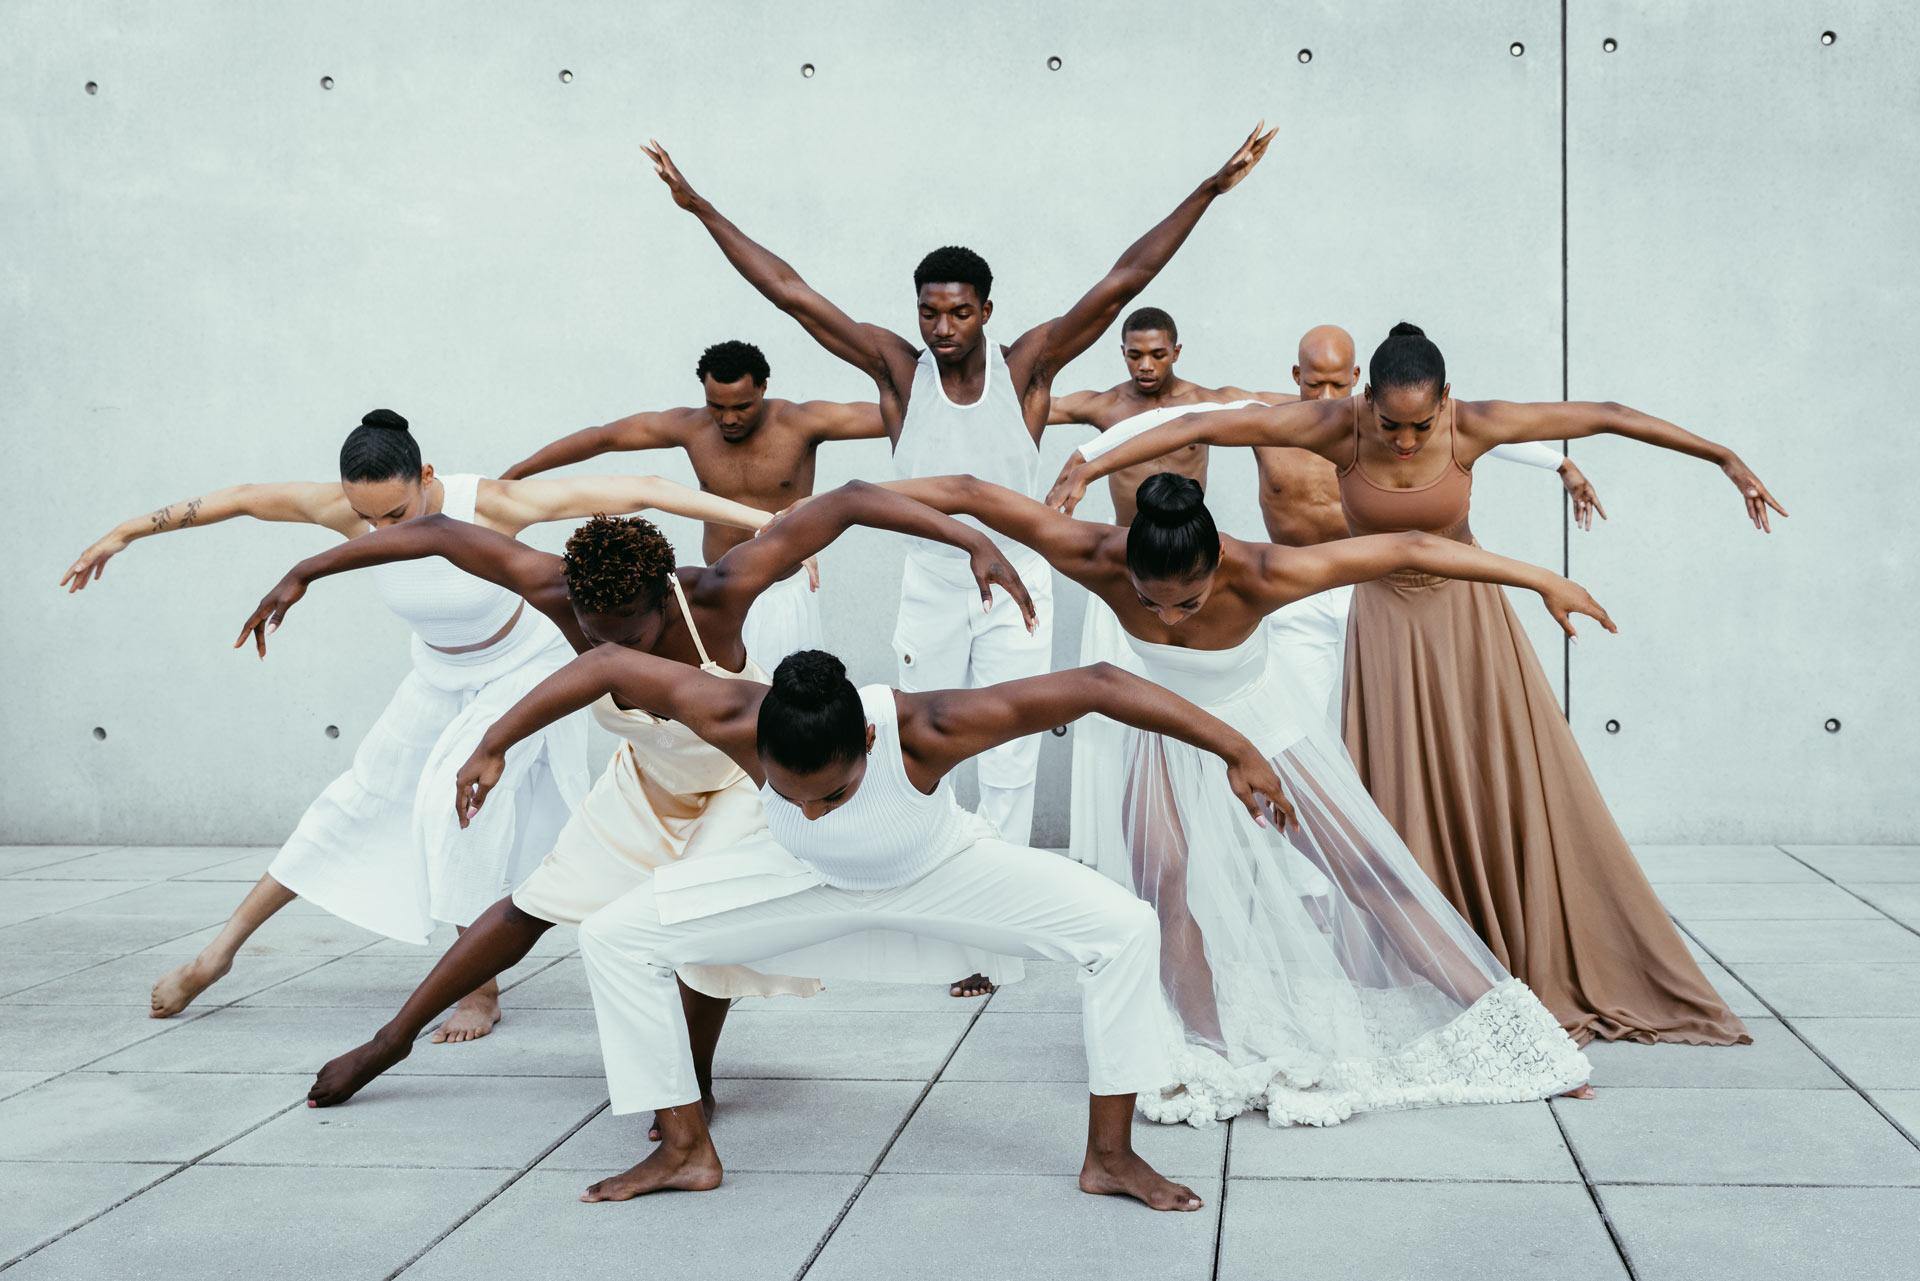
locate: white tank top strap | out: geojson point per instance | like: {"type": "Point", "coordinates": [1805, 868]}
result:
{"type": "Point", "coordinates": [447, 608]}
{"type": "Point", "coordinates": [686, 616]}
{"type": "Point", "coordinates": [987, 438]}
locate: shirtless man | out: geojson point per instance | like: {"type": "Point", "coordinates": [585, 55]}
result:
{"type": "Point", "coordinates": [741, 443]}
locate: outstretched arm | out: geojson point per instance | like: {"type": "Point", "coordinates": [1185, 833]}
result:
{"type": "Point", "coordinates": [520, 569]}
{"type": "Point", "coordinates": [635, 431]}
{"type": "Point", "coordinates": [807, 527]}
{"type": "Point", "coordinates": [723, 712]}
{"type": "Point", "coordinates": [1070, 546]}
{"type": "Point", "coordinates": [1040, 353]}
{"type": "Point", "coordinates": [883, 356]}
{"type": "Point", "coordinates": [1315, 425]}
{"type": "Point", "coordinates": [1496, 422]}
{"type": "Point", "coordinates": [1530, 453]}
{"type": "Point", "coordinates": [1292, 573]}
{"type": "Point", "coordinates": [833, 420]}
{"type": "Point", "coordinates": [950, 725]}
{"type": "Point", "coordinates": [1074, 407]}
{"type": "Point", "coordinates": [321, 503]}
{"type": "Point", "coordinates": [512, 505]}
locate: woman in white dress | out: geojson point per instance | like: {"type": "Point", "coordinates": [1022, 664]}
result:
{"type": "Point", "coordinates": [377, 848]}
{"type": "Point", "coordinates": [1316, 973]}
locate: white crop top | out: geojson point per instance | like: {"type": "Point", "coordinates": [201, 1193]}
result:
{"type": "Point", "coordinates": [445, 606]}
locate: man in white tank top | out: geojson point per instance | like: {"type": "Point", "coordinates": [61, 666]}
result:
{"type": "Point", "coordinates": [958, 402]}
{"type": "Point", "coordinates": [746, 446]}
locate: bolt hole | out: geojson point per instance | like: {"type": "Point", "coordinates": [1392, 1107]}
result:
{"type": "Point", "coordinates": [1053, 63]}
{"type": "Point", "coordinates": [1059, 731]}
{"type": "Point", "coordinates": [326, 82]}
{"type": "Point", "coordinates": [566, 77]}
{"type": "Point", "coordinates": [99, 734]}
{"type": "Point", "coordinates": [92, 87]}
{"type": "Point", "coordinates": [1305, 55]}
{"type": "Point", "coordinates": [1827, 37]}
{"type": "Point", "coordinates": [806, 69]}
{"type": "Point", "coordinates": [333, 731]}
{"type": "Point", "coordinates": [1609, 45]}
{"type": "Point", "coordinates": [1833, 725]}
{"type": "Point", "coordinates": [1516, 48]}
{"type": "Point", "coordinates": [1613, 727]}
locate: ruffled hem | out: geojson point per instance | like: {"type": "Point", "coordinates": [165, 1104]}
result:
{"type": "Point", "coordinates": [1505, 1048]}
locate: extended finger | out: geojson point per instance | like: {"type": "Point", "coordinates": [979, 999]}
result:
{"type": "Point", "coordinates": [1017, 588]}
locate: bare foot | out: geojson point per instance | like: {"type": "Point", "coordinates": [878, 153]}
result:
{"type": "Point", "coordinates": [177, 987]}
{"type": "Point", "coordinates": [471, 1019]}
{"type": "Point", "coordinates": [344, 1077]}
{"type": "Point", "coordinates": [1125, 1174]}
{"type": "Point", "coordinates": [972, 985]}
{"type": "Point", "coordinates": [706, 1106]}
{"type": "Point", "coordinates": [1579, 1092]}
{"type": "Point", "coordinates": [668, 1169]}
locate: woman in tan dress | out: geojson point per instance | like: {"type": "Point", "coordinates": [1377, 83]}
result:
{"type": "Point", "coordinates": [1448, 715]}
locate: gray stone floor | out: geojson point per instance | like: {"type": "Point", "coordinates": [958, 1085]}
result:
{"type": "Point", "coordinates": [895, 1132]}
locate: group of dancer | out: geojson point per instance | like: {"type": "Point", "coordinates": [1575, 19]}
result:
{"type": "Point", "coordinates": [1334, 848]}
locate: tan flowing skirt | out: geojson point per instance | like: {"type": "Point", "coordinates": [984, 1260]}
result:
{"type": "Point", "coordinates": [1458, 736]}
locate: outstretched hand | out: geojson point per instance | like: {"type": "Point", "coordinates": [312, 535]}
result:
{"type": "Point", "coordinates": [990, 570]}
{"type": "Point", "coordinates": [271, 612]}
{"type": "Point", "coordinates": [1244, 159]}
{"type": "Point", "coordinates": [1255, 782]}
{"type": "Point", "coordinates": [1755, 494]}
{"type": "Point", "coordinates": [92, 563]}
{"type": "Point", "coordinates": [1070, 486]}
{"type": "Point", "coordinates": [1566, 598]}
{"type": "Point", "coordinates": [479, 776]}
{"type": "Point", "coordinates": [683, 192]}
{"type": "Point", "coordinates": [1586, 501]}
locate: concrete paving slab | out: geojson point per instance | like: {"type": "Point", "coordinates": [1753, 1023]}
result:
{"type": "Point", "coordinates": [22, 900]}
{"type": "Point", "coordinates": [767, 1041]}
{"type": "Point", "coordinates": [754, 1227]}
{"type": "Point", "coordinates": [44, 1200]}
{"type": "Point", "coordinates": [1903, 1106]}
{"type": "Point", "coordinates": [55, 1038]}
{"type": "Point", "coordinates": [1495, 1142]}
{"type": "Point", "coordinates": [248, 867]}
{"type": "Point", "coordinates": [540, 983]}
{"type": "Point", "coordinates": [1692, 901]}
{"type": "Point", "coordinates": [832, 1127]}
{"type": "Point", "coordinates": [142, 862]}
{"type": "Point", "coordinates": [1025, 1127]}
{"type": "Point", "coordinates": [1679, 1234]}
{"type": "Point", "coordinates": [1668, 864]}
{"type": "Point", "coordinates": [1876, 1053]}
{"type": "Point", "coordinates": [965, 1227]}
{"type": "Point", "coordinates": [212, 901]}
{"type": "Point", "coordinates": [1840, 990]}
{"type": "Point", "coordinates": [561, 940]}
{"type": "Point", "coordinates": [1021, 1047]}
{"type": "Point", "coordinates": [128, 981]}
{"type": "Point", "coordinates": [1900, 900]}
{"type": "Point", "coordinates": [1777, 1059]}
{"type": "Point", "coordinates": [1342, 1231]}
{"type": "Point", "coordinates": [137, 1116]}
{"type": "Point", "coordinates": [1862, 863]}
{"type": "Point", "coordinates": [22, 970]}
{"type": "Point", "coordinates": [12, 1083]}
{"type": "Point", "coordinates": [1733, 991]}
{"type": "Point", "coordinates": [1051, 987]}
{"type": "Point", "coordinates": [845, 995]}
{"type": "Point", "coordinates": [452, 1122]}
{"type": "Point", "coordinates": [1807, 941]}
{"type": "Point", "coordinates": [289, 934]}
{"type": "Point", "coordinates": [79, 931]}
{"type": "Point", "coordinates": [242, 1223]}
{"type": "Point", "coordinates": [524, 1043]}
{"type": "Point", "coordinates": [245, 1039]}
{"type": "Point", "coordinates": [1736, 1136]}
{"type": "Point", "coordinates": [380, 983]}
{"type": "Point", "coordinates": [17, 860]}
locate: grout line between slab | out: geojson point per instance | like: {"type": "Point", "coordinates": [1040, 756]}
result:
{"type": "Point", "coordinates": [1847, 889]}
{"type": "Point", "coordinates": [1220, 1211]}
{"type": "Point", "coordinates": [1593, 1193]}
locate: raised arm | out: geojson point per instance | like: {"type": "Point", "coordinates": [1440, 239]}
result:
{"type": "Point", "coordinates": [1040, 353]}
{"type": "Point", "coordinates": [635, 431]}
{"type": "Point", "coordinates": [723, 712]}
{"type": "Point", "coordinates": [947, 726]}
{"type": "Point", "coordinates": [536, 576]}
{"type": "Point", "coordinates": [1291, 573]}
{"type": "Point", "coordinates": [1071, 546]}
{"type": "Point", "coordinates": [882, 355]}
{"type": "Point", "coordinates": [1487, 423]}
{"type": "Point", "coordinates": [321, 503]}
{"type": "Point", "coordinates": [834, 420]}
{"type": "Point", "coordinates": [512, 505]}
{"type": "Point", "coordinates": [807, 527]}
{"type": "Point", "coordinates": [1316, 425]}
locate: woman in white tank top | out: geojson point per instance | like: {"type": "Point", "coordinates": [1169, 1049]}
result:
{"type": "Point", "coordinates": [869, 835]}
{"type": "Point", "coordinates": [375, 848]}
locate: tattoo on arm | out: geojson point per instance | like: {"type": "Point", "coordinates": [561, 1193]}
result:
{"type": "Point", "coordinates": [193, 512]}
{"type": "Point", "coordinates": [162, 518]}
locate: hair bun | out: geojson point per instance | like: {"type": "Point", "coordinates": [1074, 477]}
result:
{"type": "Point", "coordinates": [1168, 498]}
{"type": "Point", "coordinates": [809, 678]}
{"type": "Point", "coordinates": [383, 418]}
{"type": "Point", "coordinates": [1406, 329]}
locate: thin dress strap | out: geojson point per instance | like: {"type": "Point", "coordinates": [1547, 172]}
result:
{"type": "Point", "coordinates": [1354, 462]}
{"type": "Point", "coordinates": [687, 616]}
{"type": "Point", "coordinates": [1453, 437]}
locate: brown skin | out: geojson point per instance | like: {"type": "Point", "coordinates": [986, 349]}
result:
{"type": "Point", "coordinates": [952, 317]}
{"type": "Point", "coordinates": [743, 444]}
{"type": "Point", "coordinates": [938, 731]}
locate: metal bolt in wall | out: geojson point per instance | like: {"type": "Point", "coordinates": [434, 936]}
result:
{"type": "Point", "coordinates": [806, 69]}
{"type": "Point", "coordinates": [1053, 63]}
{"type": "Point", "coordinates": [1306, 55]}
{"type": "Point", "coordinates": [326, 82]}
{"type": "Point", "coordinates": [1613, 727]}
{"type": "Point", "coordinates": [1609, 45]}
{"type": "Point", "coordinates": [1516, 48]}
{"type": "Point", "coordinates": [1827, 37]}
{"type": "Point", "coordinates": [99, 734]}
{"type": "Point", "coordinates": [92, 87]}
{"type": "Point", "coordinates": [333, 731]}
{"type": "Point", "coordinates": [1059, 731]}
{"type": "Point", "coordinates": [1833, 725]}
{"type": "Point", "coordinates": [566, 77]}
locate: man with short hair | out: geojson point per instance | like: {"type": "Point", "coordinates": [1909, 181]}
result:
{"type": "Point", "coordinates": [746, 446]}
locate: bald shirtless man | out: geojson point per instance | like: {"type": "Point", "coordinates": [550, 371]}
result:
{"type": "Point", "coordinates": [746, 446]}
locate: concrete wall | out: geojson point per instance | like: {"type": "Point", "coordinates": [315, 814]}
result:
{"type": "Point", "coordinates": [219, 265]}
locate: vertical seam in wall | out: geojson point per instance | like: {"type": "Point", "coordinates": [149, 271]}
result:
{"type": "Point", "coordinates": [1566, 502]}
